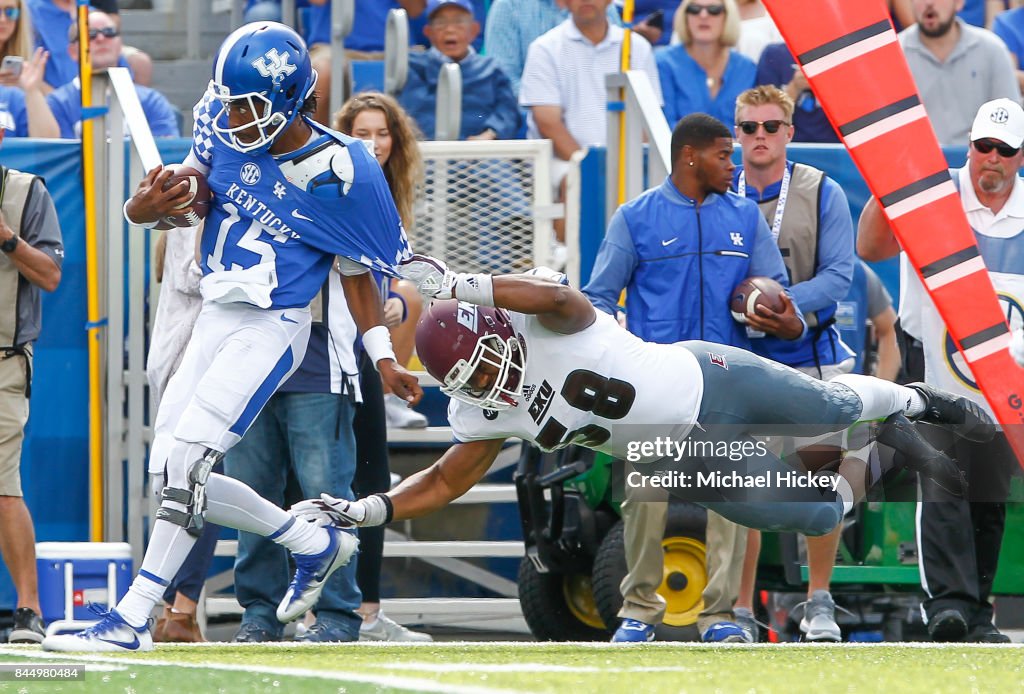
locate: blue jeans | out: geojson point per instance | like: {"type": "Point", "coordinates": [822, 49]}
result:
{"type": "Point", "coordinates": [308, 435]}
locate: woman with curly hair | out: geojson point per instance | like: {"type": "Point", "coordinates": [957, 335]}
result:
{"type": "Point", "coordinates": [378, 117]}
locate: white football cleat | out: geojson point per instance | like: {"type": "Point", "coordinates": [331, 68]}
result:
{"type": "Point", "coordinates": [109, 635]}
{"type": "Point", "coordinates": [312, 572]}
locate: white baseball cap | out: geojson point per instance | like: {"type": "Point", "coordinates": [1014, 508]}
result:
{"type": "Point", "coordinates": [1000, 119]}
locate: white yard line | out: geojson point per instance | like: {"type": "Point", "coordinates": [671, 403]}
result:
{"type": "Point", "coordinates": [410, 683]}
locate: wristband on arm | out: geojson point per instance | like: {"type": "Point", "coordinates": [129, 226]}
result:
{"type": "Point", "coordinates": [377, 343]}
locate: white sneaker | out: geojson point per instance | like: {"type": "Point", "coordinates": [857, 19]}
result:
{"type": "Point", "coordinates": [384, 629]}
{"type": "Point", "coordinates": [109, 635]}
{"type": "Point", "coordinates": [312, 572]}
{"type": "Point", "coordinates": [819, 622]}
{"type": "Point", "coordinates": [399, 416]}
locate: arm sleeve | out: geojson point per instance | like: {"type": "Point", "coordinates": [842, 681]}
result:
{"type": "Point", "coordinates": [878, 296]}
{"type": "Point", "coordinates": [65, 121]}
{"type": "Point", "coordinates": [647, 63]}
{"type": "Point", "coordinates": [1004, 73]}
{"type": "Point", "coordinates": [350, 268]}
{"type": "Point", "coordinates": [539, 86]}
{"type": "Point", "coordinates": [613, 268]}
{"type": "Point", "coordinates": [834, 273]}
{"type": "Point", "coordinates": [40, 226]}
{"type": "Point", "coordinates": [20, 118]}
{"type": "Point", "coordinates": [667, 87]}
{"type": "Point", "coordinates": [203, 136]}
{"type": "Point", "coordinates": [503, 42]}
{"type": "Point", "coordinates": [162, 120]}
{"type": "Point", "coordinates": [418, 100]}
{"type": "Point", "coordinates": [506, 117]}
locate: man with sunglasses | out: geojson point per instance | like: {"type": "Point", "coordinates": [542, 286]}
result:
{"type": "Point", "coordinates": [105, 49]}
{"type": "Point", "coordinates": [53, 19]}
{"type": "Point", "coordinates": [959, 539]}
{"type": "Point", "coordinates": [809, 217]}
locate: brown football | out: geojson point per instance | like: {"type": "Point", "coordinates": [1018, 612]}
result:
{"type": "Point", "coordinates": [753, 292]}
{"type": "Point", "coordinates": [194, 211]}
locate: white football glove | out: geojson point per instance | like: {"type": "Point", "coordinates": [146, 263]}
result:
{"type": "Point", "coordinates": [431, 276]}
{"type": "Point", "coordinates": [327, 510]}
{"type": "Point", "coordinates": [1017, 347]}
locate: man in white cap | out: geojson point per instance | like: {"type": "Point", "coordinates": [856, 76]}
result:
{"type": "Point", "coordinates": [959, 540]}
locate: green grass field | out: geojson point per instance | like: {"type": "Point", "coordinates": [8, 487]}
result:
{"type": "Point", "coordinates": [459, 668]}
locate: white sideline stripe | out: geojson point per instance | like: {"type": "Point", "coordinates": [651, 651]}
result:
{"type": "Point", "coordinates": [968, 267]}
{"type": "Point", "coordinates": [921, 199]}
{"type": "Point", "coordinates": [521, 667]}
{"type": "Point", "coordinates": [988, 347]}
{"type": "Point", "coordinates": [873, 43]}
{"type": "Point", "coordinates": [886, 125]}
{"type": "Point", "coordinates": [414, 684]}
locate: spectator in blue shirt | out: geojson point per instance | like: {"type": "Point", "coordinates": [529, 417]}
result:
{"type": "Point", "coordinates": [703, 73]}
{"type": "Point", "coordinates": [105, 50]}
{"type": "Point", "coordinates": [490, 109]}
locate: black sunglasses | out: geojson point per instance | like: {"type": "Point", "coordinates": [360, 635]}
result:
{"type": "Point", "coordinates": [713, 10]}
{"type": "Point", "coordinates": [986, 147]}
{"type": "Point", "coordinates": [106, 32]}
{"type": "Point", "coordinates": [770, 126]}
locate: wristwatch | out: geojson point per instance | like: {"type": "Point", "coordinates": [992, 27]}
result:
{"type": "Point", "coordinates": [9, 245]}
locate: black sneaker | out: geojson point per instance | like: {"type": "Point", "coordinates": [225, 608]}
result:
{"type": "Point", "coordinates": [958, 414]}
{"type": "Point", "coordinates": [948, 625]}
{"type": "Point", "coordinates": [28, 627]}
{"type": "Point", "coordinates": [921, 457]}
{"type": "Point", "coordinates": [251, 632]}
{"type": "Point", "coordinates": [986, 633]}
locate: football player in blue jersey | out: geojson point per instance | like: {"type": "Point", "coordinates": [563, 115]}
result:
{"type": "Point", "coordinates": [291, 200]}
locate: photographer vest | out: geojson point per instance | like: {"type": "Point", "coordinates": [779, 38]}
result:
{"type": "Point", "coordinates": [14, 191]}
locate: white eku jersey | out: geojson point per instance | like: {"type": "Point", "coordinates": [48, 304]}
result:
{"type": "Point", "coordinates": [601, 388]}
{"type": "Point", "coordinates": [1000, 239]}
{"type": "Point", "coordinates": [277, 222]}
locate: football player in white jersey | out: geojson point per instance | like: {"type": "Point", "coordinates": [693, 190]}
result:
{"type": "Point", "coordinates": [289, 197]}
{"type": "Point", "coordinates": [529, 357]}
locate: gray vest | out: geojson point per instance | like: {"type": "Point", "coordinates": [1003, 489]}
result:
{"type": "Point", "coordinates": [798, 237]}
{"type": "Point", "coordinates": [14, 190]}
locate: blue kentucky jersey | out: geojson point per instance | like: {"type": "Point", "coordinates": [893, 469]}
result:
{"type": "Point", "coordinates": [259, 219]}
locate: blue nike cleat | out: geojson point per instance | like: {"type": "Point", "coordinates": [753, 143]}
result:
{"type": "Point", "coordinates": [725, 632]}
{"type": "Point", "coordinates": [312, 572]}
{"type": "Point", "coordinates": [109, 635]}
{"type": "Point", "coordinates": [633, 631]}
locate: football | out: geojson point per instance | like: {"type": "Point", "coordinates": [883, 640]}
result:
{"type": "Point", "coordinates": [753, 292]}
{"type": "Point", "coordinates": [194, 211]}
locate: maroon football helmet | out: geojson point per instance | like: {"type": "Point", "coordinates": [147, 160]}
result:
{"type": "Point", "coordinates": [453, 338]}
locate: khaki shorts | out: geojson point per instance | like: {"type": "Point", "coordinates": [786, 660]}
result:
{"type": "Point", "coordinates": [13, 415]}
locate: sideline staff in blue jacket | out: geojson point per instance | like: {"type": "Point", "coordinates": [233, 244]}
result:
{"type": "Point", "coordinates": [657, 244]}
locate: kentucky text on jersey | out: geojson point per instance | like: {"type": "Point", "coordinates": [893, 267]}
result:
{"type": "Point", "coordinates": [261, 213]}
